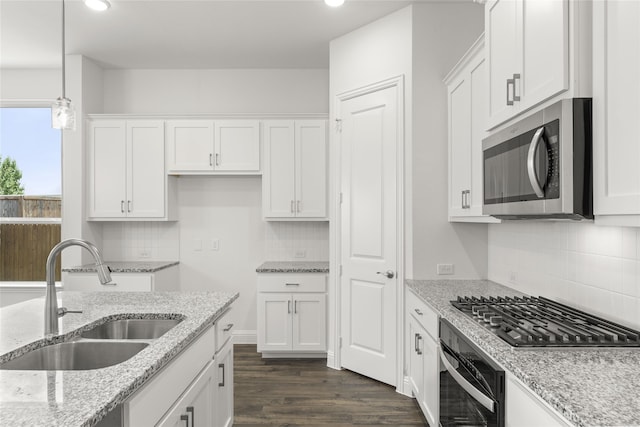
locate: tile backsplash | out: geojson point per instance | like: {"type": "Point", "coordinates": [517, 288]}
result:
{"type": "Point", "coordinates": [141, 241]}
{"type": "Point", "coordinates": [287, 240]}
{"type": "Point", "coordinates": [596, 268]}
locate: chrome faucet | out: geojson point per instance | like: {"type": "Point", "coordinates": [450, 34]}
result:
{"type": "Point", "coordinates": [51, 311]}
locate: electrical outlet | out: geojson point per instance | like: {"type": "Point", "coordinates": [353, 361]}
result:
{"type": "Point", "coordinates": [145, 254]}
{"type": "Point", "coordinates": [300, 253]}
{"type": "Point", "coordinates": [444, 269]}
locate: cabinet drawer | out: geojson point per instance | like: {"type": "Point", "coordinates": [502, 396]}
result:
{"type": "Point", "coordinates": [89, 282]}
{"type": "Point", "coordinates": [422, 313]}
{"type": "Point", "coordinates": [224, 329]}
{"type": "Point", "coordinates": [291, 282]}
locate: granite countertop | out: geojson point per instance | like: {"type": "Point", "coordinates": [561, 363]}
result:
{"type": "Point", "coordinates": [590, 387]}
{"type": "Point", "coordinates": [124, 267]}
{"type": "Point", "coordinates": [82, 398]}
{"type": "Point", "coordinates": [294, 267]}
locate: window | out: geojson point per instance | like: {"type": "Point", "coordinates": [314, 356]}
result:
{"type": "Point", "coordinates": [30, 193]}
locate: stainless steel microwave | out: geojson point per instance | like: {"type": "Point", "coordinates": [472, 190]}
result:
{"type": "Point", "coordinates": [541, 166]}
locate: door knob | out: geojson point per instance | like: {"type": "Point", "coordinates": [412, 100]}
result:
{"type": "Point", "coordinates": [390, 274]}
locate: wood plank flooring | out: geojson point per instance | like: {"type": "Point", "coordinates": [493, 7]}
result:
{"type": "Point", "coordinates": [304, 392]}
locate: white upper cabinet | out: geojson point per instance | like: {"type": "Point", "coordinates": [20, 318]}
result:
{"type": "Point", "coordinates": [127, 178]}
{"type": "Point", "coordinates": [294, 181]}
{"type": "Point", "coordinates": [467, 114]}
{"type": "Point", "coordinates": [207, 146]}
{"type": "Point", "coordinates": [535, 50]}
{"type": "Point", "coordinates": [616, 112]}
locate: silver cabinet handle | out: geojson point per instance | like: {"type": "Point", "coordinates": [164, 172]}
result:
{"type": "Point", "coordinates": [418, 311]}
{"type": "Point", "coordinates": [295, 307]}
{"type": "Point", "coordinates": [292, 203]}
{"type": "Point", "coordinates": [228, 328]}
{"type": "Point", "coordinates": [217, 159]}
{"type": "Point", "coordinates": [512, 83]}
{"type": "Point", "coordinates": [221, 365]}
{"type": "Point", "coordinates": [531, 166]}
{"type": "Point", "coordinates": [292, 284]}
{"type": "Point", "coordinates": [128, 205]}
{"type": "Point", "coordinates": [480, 397]}
{"type": "Point", "coordinates": [298, 206]}
{"type": "Point", "coordinates": [388, 274]}
{"type": "Point", "coordinates": [191, 411]}
{"type": "Point", "coordinates": [289, 306]}
{"type": "Point", "coordinates": [515, 77]}
{"type": "Point", "coordinates": [462, 199]}
{"type": "Point", "coordinates": [185, 418]}
{"type": "Point", "coordinates": [210, 159]}
{"type": "Point", "coordinates": [122, 206]}
{"type": "Point", "coordinates": [417, 339]}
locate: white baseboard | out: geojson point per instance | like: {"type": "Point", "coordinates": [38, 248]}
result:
{"type": "Point", "coordinates": [245, 337]}
{"type": "Point", "coordinates": [292, 355]}
{"type": "Point", "coordinates": [406, 388]}
{"type": "Point", "coordinates": [331, 361]}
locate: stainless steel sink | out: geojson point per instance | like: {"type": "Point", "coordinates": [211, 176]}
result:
{"type": "Point", "coordinates": [76, 355]}
{"type": "Point", "coordinates": [131, 329]}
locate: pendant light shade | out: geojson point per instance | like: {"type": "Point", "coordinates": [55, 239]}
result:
{"type": "Point", "coordinates": [63, 115]}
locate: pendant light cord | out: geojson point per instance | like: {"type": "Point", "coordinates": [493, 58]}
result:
{"type": "Point", "coordinates": [63, 54]}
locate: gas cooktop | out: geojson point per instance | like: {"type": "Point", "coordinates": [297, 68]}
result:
{"type": "Point", "coordinates": [541, 322]}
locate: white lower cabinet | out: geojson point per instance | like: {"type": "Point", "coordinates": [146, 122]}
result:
{"type": "Point", "coordinates": [195, 389]}
{"type": "Point", "coordinates": [525, 409]}
{"type": "Point", "coordinates": [423, 363]}
{"type": "Point", "coordinates": [292, 313]}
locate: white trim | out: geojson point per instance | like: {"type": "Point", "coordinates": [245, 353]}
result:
{"type": "Point", "coordinates": [210, 116]}
{"type": "Point", "coordinates": [26, 103]}
{"type": "Point", "coordinates": [30, 220]}
{"type": "Point", "coordinates": [334, 278]}
{"type": "Point", "coordinates": [245, 337]}
{"type": "Point", "coordinates": [293, 355]}
{"type": "Point", "coordinates": [407, 390]}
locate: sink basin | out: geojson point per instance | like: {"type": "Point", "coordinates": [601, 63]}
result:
{"type": "Point", "coordinates": [131, 329]}
{"type": "Point", "coordinates": [76, 355]}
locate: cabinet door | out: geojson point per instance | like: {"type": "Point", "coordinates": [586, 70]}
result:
{"type": "Point", "coordinates": [616, 109]}
{"type": "Point", "coordinates": [502, 26]}
{"type": "Point", "coordinates": [311, 169]}
{"type": "Point", "coordinates": [146, 179]}
{"type": "Point", "coordinates": [431, 382]}
{"type": "Point", "coordinates": [524, 409]}
{"type": "Point", "coordinates": [478, 124]}
{"type": "Point", "coordinates": [237, 145]}
{"type": "Point", "coordinates": [460, 144]}
{"type": "Point", "coordinates": [195, 407]}
{"type": "Point", "coordinates": [190, 145]}
{"type": "Point", "coordinates": [545, 50]}
{"type": "Point", "coordinates": [223, 397]}
{"type": "Point", "coordinates": [309, 322]}
{"type": "Point", "coordinates": [415, 341]}
{"type": "Point", "coordinates": [107, 168]}
{"type": "Point", "coordinates": [274, 321]}
{"type": "Point", "coordinates": [278, 178]}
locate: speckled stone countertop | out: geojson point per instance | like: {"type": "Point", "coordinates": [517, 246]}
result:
{"type": "Point", "coordinates": [82, 398]}
{"type": "Point", "coordinates": [124, 267]}
{"type": "Point", "coordinates": [590, 387]}
{"type": "Point", "coordinates": [294, 267]}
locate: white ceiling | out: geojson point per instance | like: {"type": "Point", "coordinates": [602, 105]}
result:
{"type": "Point", "coordinates": [183, 33]}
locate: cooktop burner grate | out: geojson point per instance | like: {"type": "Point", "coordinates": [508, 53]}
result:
{"type": "Point", "coordinates": [541, 322]}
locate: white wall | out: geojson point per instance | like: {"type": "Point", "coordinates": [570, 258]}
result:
{"type": "Point", "coordinates": [227, 209]}
{"type": "Point", "coordinates": [587, 266]}
{"type": "Point", "coordinates": [30, 84]}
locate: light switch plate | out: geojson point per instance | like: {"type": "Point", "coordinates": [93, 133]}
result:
{"type": "Point", "coordinates": [444, 269]}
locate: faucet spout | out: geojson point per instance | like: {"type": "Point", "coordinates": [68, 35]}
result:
{"type": "Point", "coordinates": [51, 300]}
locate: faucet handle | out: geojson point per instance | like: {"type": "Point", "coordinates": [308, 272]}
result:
{"type": "Point", "coordinates": [63, 310]}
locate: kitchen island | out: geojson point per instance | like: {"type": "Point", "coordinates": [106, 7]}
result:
{"type": "Point", "coordinates": [84, 397]}
{"type": "Point", "coordinates": [594, 386]}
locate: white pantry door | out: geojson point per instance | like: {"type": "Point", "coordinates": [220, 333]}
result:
{"type": "Point", "coordinates": [368, 248]}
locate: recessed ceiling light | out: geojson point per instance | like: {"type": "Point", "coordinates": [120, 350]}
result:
{"type": "Point", "coordinates": [334, 3]}
{"type": "Point", "coordinates": [98, 5]}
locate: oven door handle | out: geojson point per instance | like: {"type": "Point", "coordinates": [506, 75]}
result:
{"type": "Point", "coordinates": [531, 166]}
{"type": "Point", "coordinates": [480, 397]}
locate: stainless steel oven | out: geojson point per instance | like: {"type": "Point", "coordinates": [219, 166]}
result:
{"type": "Point", "coordinates": [471, 384]}
{"type": "Point", "coordinates": [540, 167]}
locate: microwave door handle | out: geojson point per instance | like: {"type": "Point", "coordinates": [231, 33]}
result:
{"type": "Point", "coordinates": [480, 397]}
{"type": "Point", "coordinates": [531, 167]}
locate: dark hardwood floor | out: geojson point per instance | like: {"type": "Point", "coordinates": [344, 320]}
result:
{"type": "Point", "coordinates": [305, 392]}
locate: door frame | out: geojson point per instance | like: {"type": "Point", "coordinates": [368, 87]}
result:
{"type": "Point", "coordinates": [335, 289]}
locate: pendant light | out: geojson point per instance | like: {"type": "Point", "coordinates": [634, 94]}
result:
{"type": "Point", "coordinates": [334, 3]}
{"type": "Point", "coordinates": [99, 5]}
{"type": "Point", "coordinates": [63, 114]}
